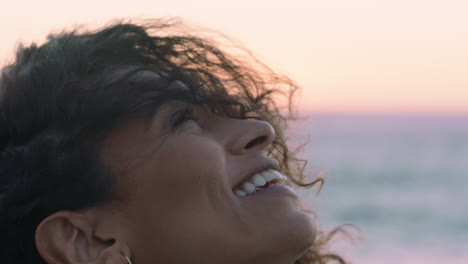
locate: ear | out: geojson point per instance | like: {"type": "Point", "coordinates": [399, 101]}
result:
{"type": "Point", "coordinates": [70, 237]}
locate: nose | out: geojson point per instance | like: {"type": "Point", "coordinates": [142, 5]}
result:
{"type": "Point", "coordinates": [251, 135]}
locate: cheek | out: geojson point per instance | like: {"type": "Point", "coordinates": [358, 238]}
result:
{"type": "Point", "coordinates": [191, 162]}
{"type": "Point", "coordinates": [181, 196]}
{"type": "Point", "coordinates": [183, 172]}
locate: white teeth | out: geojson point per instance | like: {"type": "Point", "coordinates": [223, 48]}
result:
{"type": "Point", "coordinates": [239, 193]}
{"type": "Point", "coordinates": [279, 175]}
{"type": "Point", "coordinates": [248, 187]}
{"type": "Point", "coordinates": [268, 175]}
{"type": "Point", "coordinates": [258, 180]}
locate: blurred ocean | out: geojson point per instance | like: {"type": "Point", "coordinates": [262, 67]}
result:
{"type": "Point", "coordinates": [403, 180]}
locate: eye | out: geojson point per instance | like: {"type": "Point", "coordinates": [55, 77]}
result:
{"type": "Point", "coordinates": [182, 115]}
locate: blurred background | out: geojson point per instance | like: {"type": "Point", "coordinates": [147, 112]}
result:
{"type": "Point", "coordinates": [385, 87]}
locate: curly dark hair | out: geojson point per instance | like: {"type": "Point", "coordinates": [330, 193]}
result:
{"type": "Point", "coordinates": [59, 101]}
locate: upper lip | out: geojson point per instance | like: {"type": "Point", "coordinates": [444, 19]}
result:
{"type": "Point", "coordinates": [269, 164]}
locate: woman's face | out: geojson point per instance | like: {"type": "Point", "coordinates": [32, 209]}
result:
{"type": "Point", "coordinates": [176, 180]}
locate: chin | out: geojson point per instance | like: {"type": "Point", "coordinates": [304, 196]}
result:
{"type": "Point", "coordinates": [300, 232]}
{"type": "Point", "coordinates": [301, 225]}
{"type": "Point", "coordinates": [304, 230]}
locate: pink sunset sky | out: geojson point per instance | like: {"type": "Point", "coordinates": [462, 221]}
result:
{"type": "Point", "coordinates": [356, 56]}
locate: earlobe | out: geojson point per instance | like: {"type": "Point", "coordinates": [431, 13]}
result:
{"type": "Point", "coordinates": [69, 237]}
{"type": "Point", "coordinates": [128, 259]}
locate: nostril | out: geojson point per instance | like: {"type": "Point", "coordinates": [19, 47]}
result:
{"type": "Point", "coordinates": [256, 141]}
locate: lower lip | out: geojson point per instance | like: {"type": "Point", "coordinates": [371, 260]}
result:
{"type": "Point", "coordinates": [276, 189]}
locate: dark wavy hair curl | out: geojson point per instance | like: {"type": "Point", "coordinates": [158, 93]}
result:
{"type": "Point", "coordinates": [59, 101]}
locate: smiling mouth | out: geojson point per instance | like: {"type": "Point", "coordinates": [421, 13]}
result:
{"type": "Point", "coordinates": [258, 182]}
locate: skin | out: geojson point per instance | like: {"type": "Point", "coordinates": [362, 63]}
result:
{"type": "Point", "coordinates": [175, 202]}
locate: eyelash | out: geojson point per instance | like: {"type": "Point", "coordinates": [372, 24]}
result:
{"type": "Point", "coordinates": [181, 116]}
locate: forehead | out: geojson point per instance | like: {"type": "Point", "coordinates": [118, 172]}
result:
{"type": "Point", "coordinates": [147, 75]}
{"type": "Point", "coordinates": [140, 133]}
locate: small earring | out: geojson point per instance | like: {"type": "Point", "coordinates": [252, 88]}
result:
{"type": "Point", "coordinates": [128, 259]}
